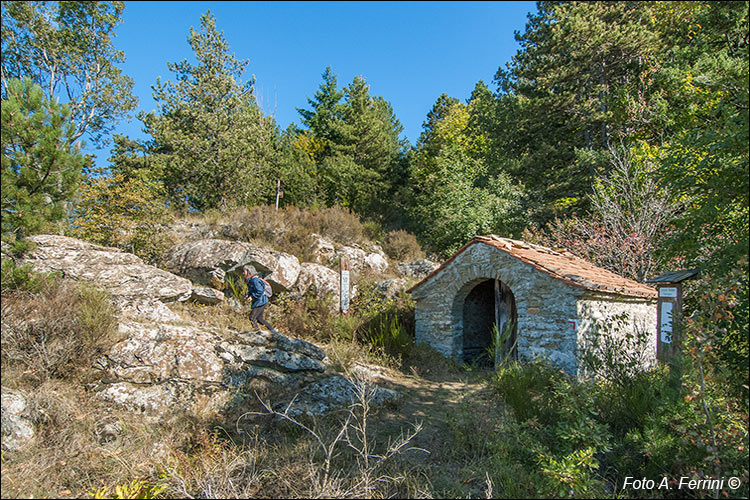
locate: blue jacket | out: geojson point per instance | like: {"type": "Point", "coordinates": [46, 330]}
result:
{"type": "Point", "coordinates": [255, 289]}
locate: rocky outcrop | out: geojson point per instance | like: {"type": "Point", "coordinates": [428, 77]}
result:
{"type": "Point", "coordinates": [17, 429]}
{"type": "Point", "coordinates": [131, 282]}
{"type": "Point", "coordinates": [207, 261]}
{"type": "Point", "coordinates": [206, 295]}
{"type": "Point", "coordinates": [376, 262]}
{"type": "Point", "coordinates": [163, 367]}
{"type": "Point", "coordinates": [417, 269]}
{"type": "Point", "coordinates": [165, 364]}
{"type": "Point", "coordinates": [319, 281]}
{"type": "Point", "coordinates": [328, 253]}
{"type": "Point", "coordinates": [335, 392]}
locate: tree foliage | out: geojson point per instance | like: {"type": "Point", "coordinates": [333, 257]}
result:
{"type": "Point", "coordinates": [41, 166]}
{"type": "Point", "coordinates": [353, 139]}
{"type": "Point", "coordinates": [66, 48]}
{"type": "Point", "coordinates": [211, 142]}
{"type": "Point", "coordinates": [455, 190]}
{"type": "Point", "coordinates": [123, 212]}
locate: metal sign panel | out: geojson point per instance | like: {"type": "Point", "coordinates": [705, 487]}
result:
{"type": "Point", "coordinates": [668, 292]}
{"type": "Point", "coordinates": [666, 322]}
{"type": "Point", "coordinates": [344, 290]}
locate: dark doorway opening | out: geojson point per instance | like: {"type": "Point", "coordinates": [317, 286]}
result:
{"type": "Point", "coordinates": [489, 311]}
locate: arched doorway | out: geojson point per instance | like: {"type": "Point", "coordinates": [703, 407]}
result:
{"type": "Point", "coordinates": [489, 305]}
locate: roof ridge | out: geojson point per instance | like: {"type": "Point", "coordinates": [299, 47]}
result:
{"type": "Point", "coordinates": [583, 274]}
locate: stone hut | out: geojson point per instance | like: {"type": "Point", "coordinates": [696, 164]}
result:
{"type": "Point", "coordinates": [546, 302]}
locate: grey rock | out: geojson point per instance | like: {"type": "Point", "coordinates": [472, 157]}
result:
{"type": "Point", "coordinates": [389, 289]}
{"type": "Point", "coordinates": [335, 392]}
{"type": "Point", "coordinates": [159, 367]}
{"type": "Point", "coordinates": [123, 275]}
{"type": "Point", "coordinates": [417, 269]}
{"type": "Point", "coordinates": [317, 280]}
{"type": "Point", "coordinates": [376, 262]}
{"type": "Point", "coordinates": [328, 253]}
{"type": "Point", "coordinates": [206, 295]}
{"type": "Point", "coordinates": [277, 358]}
{"type": "Point", "coordinates": [207, 262]}
{"type": "Point", "coordinates": [17, 429]}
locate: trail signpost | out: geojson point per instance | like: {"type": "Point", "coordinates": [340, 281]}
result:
{"type": "Point", "coordinates": [344, 285]}
{"type": "Point", "coordinates": [669, 309]}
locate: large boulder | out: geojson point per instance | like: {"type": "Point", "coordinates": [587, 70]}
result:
{"type": "Point", "coordinates": [376, 262]}
{"type": "Point", "coordinates": [207, 261]}
{"type": "Point", "coordinates": [160, 367]}
{"type": "Point", "coordinates": [318, 281]}
{"type": "Point", "coordinates": [360, 260]}
{"type": "Point", "coordinates": [207, 295]}
{"type": "Point", "coordinates": [17, 429]}
{"type": "Point", "coordinates": [417, 269]}
{"type": "Point", "coordinates": [123, 275]}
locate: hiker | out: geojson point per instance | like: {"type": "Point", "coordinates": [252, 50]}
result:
{"type": "Point", "coordinates": [256, 290]}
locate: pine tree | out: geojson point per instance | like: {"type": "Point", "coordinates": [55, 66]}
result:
{"type": "Point", "coordinates": [41, 167]}
{"type": "Point", "coordinates": [325, 114]}
{"type": "Point", "coordinates": [212, 142]}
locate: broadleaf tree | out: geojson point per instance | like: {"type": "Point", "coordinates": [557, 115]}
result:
{"type": "Point", "coordinates": [67, 49]}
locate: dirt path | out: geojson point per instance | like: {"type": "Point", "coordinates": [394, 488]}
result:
{"type": "Point", "coordinates": [440, 405]}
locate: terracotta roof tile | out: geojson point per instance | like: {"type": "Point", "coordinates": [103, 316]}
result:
{"type": "Point", "coordinates": [561, 265]}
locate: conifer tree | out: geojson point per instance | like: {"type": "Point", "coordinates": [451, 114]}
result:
{"type": "Point", "coordinates": [41, 167]}
{"type": "Point", "coordinates": [212, 143]}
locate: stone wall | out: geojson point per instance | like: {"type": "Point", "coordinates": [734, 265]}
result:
{"type": "Point", "coordinates": [553, 318]}
{"type": "Point", "coordinates": [614, 317]}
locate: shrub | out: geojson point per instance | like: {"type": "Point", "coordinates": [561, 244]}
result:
{"type": "Point", "coordinates": [402, 246]}
{"type": "Point", "coordinates": [23, 278]}
{"type": "Point", "coordinates": [522, 388]}
{"type": "Point", "coordinates": [57, 330]}
{"type": "Point", "coordinates": [290, 229]}
{"type": "Point", "coordinates": [388, 331]}
{"type": "Point", "coordinates": [126, 213]}
{"type": "Point", "coordinates": [558, 415]}
{"type": "Point", "coordinates": [373, 230]}
{"type": "Point", "coordinates": [385, 324]}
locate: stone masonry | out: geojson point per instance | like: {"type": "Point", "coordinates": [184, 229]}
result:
{"type": "Point", "coordinates": [558, 300]}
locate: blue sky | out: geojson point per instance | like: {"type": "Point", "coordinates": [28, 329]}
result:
{"type": "Point", "coordinates": [409, 52]}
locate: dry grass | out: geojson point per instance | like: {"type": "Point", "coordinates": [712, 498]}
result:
{"type": "Point", "coordinates": [345, 460]}
{"type": "Point", "coordinates": [220, 316]}
{"type": "Point", "coordinates": [57, 332]}
{"type": "Point", "coordinates": [288, 229]}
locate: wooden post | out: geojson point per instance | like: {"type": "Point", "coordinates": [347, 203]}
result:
{"type": "Point", "coordinates": [669, 309]}
{"type": "Point", "coordinates": [344, 285]}
{"type": "Point", "coordinates": [499, 321]}
{"type": "Point", "coordinates": [278, 193]}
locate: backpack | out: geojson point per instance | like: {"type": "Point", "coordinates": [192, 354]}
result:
{"type": "Point", "coordinates": [266, 288]}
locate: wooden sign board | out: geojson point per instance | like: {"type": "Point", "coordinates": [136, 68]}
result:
{"type": "Point", "coordinates": [669, 306]}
